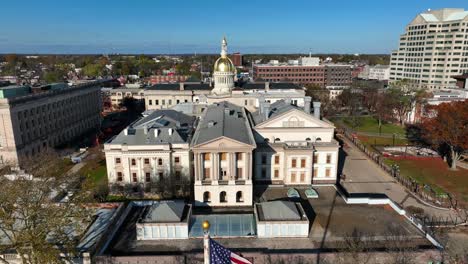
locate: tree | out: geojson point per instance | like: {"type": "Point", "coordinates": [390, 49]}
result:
{"type": "Point", "coordinates": [447, 129]}
{"type": "Point", "coordinates": [36, 227]}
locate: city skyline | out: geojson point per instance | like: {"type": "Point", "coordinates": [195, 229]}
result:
{"type": "Point", "coordinates": [155, 28]}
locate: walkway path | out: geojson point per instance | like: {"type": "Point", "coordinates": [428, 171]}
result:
{"type": "Point", "coordinates": [364, 176]}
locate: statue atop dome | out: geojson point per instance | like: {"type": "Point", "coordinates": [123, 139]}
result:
{"type": "Point", "coordinates": [223, 73]}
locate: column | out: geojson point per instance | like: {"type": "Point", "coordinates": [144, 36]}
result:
{"type": "Point", "coordinates": [214, 166]}
{"type": "Point", "coordinates": [196, 166]}
{"type": "Point", "coordinates": [232, 170]}
{"type": "Point", "coordinates": [248, 166]}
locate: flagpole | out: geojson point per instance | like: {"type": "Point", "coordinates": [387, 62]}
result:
{"type": "Point", "coordinates": [206, 242]}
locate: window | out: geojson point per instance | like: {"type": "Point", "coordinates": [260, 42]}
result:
{"type": "Point", "coordinates": [293, 163]}
{"type": "Point", "coordinates": [161, 175]}
{"type": "Point", "coordinates": [263, 173]}
{"type": "Point", "coordinates": [148, 177]}
{"type": "Point", "coordinates": [239, 197]}
{"type": "Point", "coordinates": [206, 156]}
{"type": "Point", "coordinates": [293, 177]}
{"type": "Point", "coordinates": [160, 162]}
{"type": "Point", "coordinates": [119, 176]}
{"type": "Point", "coordinates": [239, 156]}
{"type": "Point", "coordinates": [277, 159]}
{"type": "Point", "coordinates": [150, 102]}
{"type": "Point", "coordinates": [264, 159]}
{"type": "Point", "coordinates": [146, 161]}
{"type": "Point", "coordinates": [156, 102]}
{"type": "Point", "coordinates": [276, 174]}
{"type": "Point", "coordinates": [239, 173]}
{"type": "Point", "coordinates": [303, 163]}
{"type": "Point", "coordinates": [315, 172]}
{"type": "Point", "coordinates": [327, 172]}
{"type": "Point", "coordinates": [163, 102]}
{"type": "Point", "coordinates": [177, 160]}
{"type": "Point", "coordinates": [206, 197]}
{"type": "Point", "coordinates": [134, 177]}
{"type": "Point", "coordinates": [170, 102]}
{"type": "Point", "coordinates": [329, 158]}
{"type": "Point", "coordinates": [177, 175]}
{"type": "Point", "coordinates": [316, 156]}
{"type": "Point", "coordinates": [206, 173]}
{"type": "Point", "coordinates": [133, 162]}
{"type": "Point", "coordinates": [222, 197]}
{"type": "Point", "coordinates": [224, 156]}
{"type": "Point", "coordinates": [117, 160]}
{"type": "Point", "coordinates": [302, 176]}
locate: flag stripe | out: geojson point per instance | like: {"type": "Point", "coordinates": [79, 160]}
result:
{"type": "Point", "coordinates": [238, 259]}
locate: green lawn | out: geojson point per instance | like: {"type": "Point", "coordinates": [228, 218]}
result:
{"type": "Point", "coordinates": [435, 173]}
{"type": "Point", "coordinates": [95, 171]}
{"type": "Point", "coordinates": [371, 125]}
{"type": "Point", "coordinates": [369, 141]}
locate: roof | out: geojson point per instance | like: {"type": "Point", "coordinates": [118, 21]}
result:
{"type": "Point", "coordinates": [172, 127]}
{"type": "Point", "coordinates": [224, 119]}
{"type": "Point", "coordinates": [176, 86]}
{"type": "Point", "coordinates": [445, 15]}
{"type": "Point", "coordinates": [204, 86]}
{"type": "Point", "coordinates": [272, 85]}
{"type": "Point", "coordinates": [165, 211]}
{"type": "Point", "coordinates": [277, 108]}
{"type": "Point", "coordinates": [279, 211]}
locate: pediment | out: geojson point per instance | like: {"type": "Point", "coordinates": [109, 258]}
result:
{"type": "Point", "coordinates": [294, 118]}
{"type": "Point", "coordinates": [222, 143]}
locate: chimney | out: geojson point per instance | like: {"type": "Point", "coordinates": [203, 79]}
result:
{"type": "Point", "coordinates": [170, 131]}
{"type": "Point", "coordinates": [267, 86]}
{"type": "Point", "coordinates": [126, 131]}
{"type": "Point", "coordinates": [181, 86]}
{"type": "Point", "coordinates": [266, 110]}
{"type": "Point", "coordinates": [156, 132]}
{"type": "Point", "coordinates": [145, 129]}
{"type": "Point", "coordinates": [288, 100]}
{"type": "Point", "coordinates": [307, 101]}
{"type": "Point", "coordinates": [317, 110]}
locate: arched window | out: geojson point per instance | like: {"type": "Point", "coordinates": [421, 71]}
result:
{"type": "Point", "coordinates": [318, 140]}
{"type": "Point", "coordinates": [206, 197]}
{"type": "Point", "coordinates": [239, 197]}
{"type": "Point", "coordinates": [307, 139]}
{"type": "Point", "coordinates": [222, 197]}
{"type": "Point", "coordinates": [277, 139]}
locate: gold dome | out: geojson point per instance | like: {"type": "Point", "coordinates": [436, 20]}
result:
{"type": "Point", "coordinates": [224, 64]}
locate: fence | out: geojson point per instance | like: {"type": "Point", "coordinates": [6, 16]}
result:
{"type": "Point", "coordinates": [424, 192]}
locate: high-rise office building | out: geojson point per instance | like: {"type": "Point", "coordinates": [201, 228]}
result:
{"type": "Point", "coordinates": [433, 49]}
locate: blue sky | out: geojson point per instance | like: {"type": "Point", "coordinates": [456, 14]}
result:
{"type": "Point", "coordinates": [251, 26]}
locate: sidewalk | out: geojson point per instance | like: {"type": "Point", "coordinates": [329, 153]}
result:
{"type": "Point", "coordinates": [364, 176]}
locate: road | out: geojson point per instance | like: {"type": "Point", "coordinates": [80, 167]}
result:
{"type": "Point", "coordinates": [364, 176]}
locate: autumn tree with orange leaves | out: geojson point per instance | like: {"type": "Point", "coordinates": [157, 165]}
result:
{"type": "Point", "coordinates": [446, 128]}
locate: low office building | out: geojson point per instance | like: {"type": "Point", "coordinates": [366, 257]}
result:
{"type": "Point", "coordinates": [293, 146]}
{"type": "Point", "coordinates": [163, 220]}
{"type": "Point", "coordinates": [281, 219]}
{"type": "Point", "coordinates": [118, 95]}
{"type": "Point", "coordinates": [47, 117]}
{"type": "Point", "coordinates": [222, 147]}
{"type": "Point", "coordinates": [151, 153]}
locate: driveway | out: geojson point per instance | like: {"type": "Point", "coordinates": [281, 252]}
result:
{"type": "Point", "coordinates": [364, 176]}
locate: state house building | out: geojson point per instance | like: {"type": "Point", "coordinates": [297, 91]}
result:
{"type": "Point", "coordinates": [244, 136]}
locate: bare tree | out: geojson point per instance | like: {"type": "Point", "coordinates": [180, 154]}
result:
{"type": "Point", "coordinates": [35, 226]}
{"type": "Point", "coordinates": [355, 247]}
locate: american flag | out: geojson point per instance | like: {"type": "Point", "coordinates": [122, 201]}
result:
{"type": "Point", "coordinates": [222, 255]}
